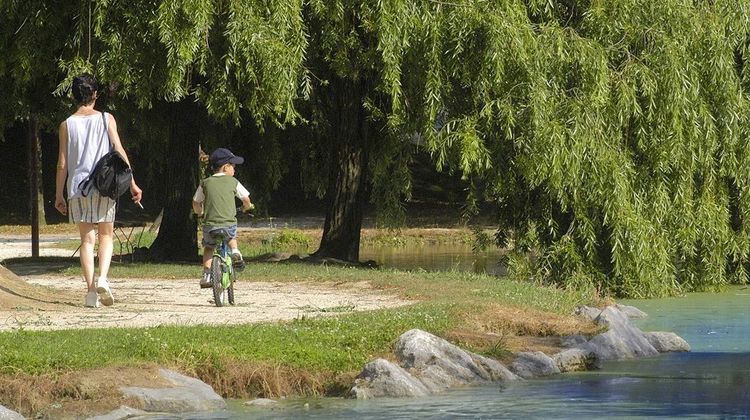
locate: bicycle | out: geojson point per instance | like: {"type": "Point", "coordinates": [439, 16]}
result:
{"type": "Point", "coordinates": [223, 273]}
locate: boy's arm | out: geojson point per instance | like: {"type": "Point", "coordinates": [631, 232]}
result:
{"type": "Point", "coordinates": [244, 196]}
{"type": "Point", "coordinates": [246, 204]}
{"type": "Point", "coordinates": [198, 198]}
{"type": "Point", "coordinates": [198, 208]}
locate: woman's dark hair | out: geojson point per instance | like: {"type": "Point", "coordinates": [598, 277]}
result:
{"type": "Point", "coordinates": [84, 87]}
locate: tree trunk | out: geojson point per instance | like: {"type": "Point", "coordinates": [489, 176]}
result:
{"type": "Point", "coordinates": [348, 173]}
{"type": "Point", "coordinates": [36, 205]}
{"type": "Point", "coordinates": [177, 239]}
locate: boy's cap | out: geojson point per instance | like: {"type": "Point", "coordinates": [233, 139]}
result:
{"type": "Point", "coordinates": [221, 156]}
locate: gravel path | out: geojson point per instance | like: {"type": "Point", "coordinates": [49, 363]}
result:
{"type": "Point", "coordinates": [43, 302]}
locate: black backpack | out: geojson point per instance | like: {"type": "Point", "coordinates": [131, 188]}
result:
{"type": "Point", "coordinates": [111, 176]}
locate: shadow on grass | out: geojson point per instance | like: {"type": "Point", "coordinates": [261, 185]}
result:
{"type": "Point", "coordinates": [30, 266]}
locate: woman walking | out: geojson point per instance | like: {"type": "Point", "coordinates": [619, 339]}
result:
{"type": "Point", "coordinates": [84, 138]}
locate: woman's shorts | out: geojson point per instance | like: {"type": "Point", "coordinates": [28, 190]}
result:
{"type": "Point", "coordinates": [91, 209]}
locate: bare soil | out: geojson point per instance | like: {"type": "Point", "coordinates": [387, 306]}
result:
{"type": "Point", "coordinates": [43, 302]}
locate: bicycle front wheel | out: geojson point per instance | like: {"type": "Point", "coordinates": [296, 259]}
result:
{"type": "Point", "coordinates": [230, 293]}
{"type": "Point", "coordinates": [216, 273]}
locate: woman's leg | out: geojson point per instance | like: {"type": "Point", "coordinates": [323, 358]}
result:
{"type": "Point", "coordinates": [88, 240]}
{"type": "Point", "coordinates": [106, 240]}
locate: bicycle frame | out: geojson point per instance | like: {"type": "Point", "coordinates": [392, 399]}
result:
{"type": "Point", "coordinates": [225, 271]}
{"type": "Point", "coordinates": [222, 251]}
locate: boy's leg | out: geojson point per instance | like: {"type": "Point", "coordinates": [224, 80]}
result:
{"type": "Point", "coordinates": [237, 261]}
{"type": "Point", "coordinates": [208, 253]}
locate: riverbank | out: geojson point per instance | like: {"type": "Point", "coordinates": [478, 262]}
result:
{"type": "Point", "coordinates": [316, 351]}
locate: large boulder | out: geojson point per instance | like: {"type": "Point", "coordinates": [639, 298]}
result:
{"type": "Point", "coordinates": [622, 340]}
{"type": "Point", "coordinates": [667, 341]}
{"type": "Point", "coordinates": [440, 364]}
{"type": "Point", "coordinates": [631, 311]}
{"type": "Point", "coordinates": [381, 378]}
{"type": "Point", "coordinates": [533, 364]}
{"type": "Point", "coordinates": [575, 359]}
{"type": "Point", "coordinates": [122, 413]}
{"type": "Point", "coordinates": [428, 364]}
{"type": "Point", "coordinates": [186, 395]}
{"type": "Point", "coordinates": [8, 414]}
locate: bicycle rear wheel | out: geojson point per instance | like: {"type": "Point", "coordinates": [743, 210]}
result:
{"type": "Point", "coordinates": [216, 273]}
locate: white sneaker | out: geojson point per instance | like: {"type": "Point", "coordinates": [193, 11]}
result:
{"type": "Point", "coordinates": [206, 280]}
{"type": "Point", "coordinates": [92, 300]}
{"type": "Point", "coordinates": [105, 293]}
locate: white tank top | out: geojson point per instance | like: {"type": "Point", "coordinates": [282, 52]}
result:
{"type": "Point", "coordinates": [87, 143]}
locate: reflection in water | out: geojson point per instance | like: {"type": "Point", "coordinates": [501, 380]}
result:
{"type": "Point", "coordinates": [435, 257]}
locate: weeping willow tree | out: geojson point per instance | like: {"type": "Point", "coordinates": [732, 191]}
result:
{"type": "Point", "coordinates": [187, 66]}
{"type": "Point", "coordinates": [611, 135]}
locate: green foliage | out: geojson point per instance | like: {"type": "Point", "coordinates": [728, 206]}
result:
{"type": "Point", "coordinates": [289, 239]}
{"type": "Point", "coordinates": [234, 57]}
{"type": "Point", "coordinates": [611, 134]}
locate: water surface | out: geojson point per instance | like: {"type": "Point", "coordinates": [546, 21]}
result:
{"type": "Point", "coordinates": [435, 257]}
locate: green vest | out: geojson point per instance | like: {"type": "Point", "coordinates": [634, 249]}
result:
{"type": "Point", "coordinates": [219, 208]}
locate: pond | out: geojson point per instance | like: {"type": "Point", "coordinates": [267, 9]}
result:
{"type": "Point", "coordinates": [435, 257]}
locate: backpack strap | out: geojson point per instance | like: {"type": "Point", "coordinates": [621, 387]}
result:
{"type": "Point", "coordinates": [87, 184]}
{"type": "Point", "coordinates": [106, 130]}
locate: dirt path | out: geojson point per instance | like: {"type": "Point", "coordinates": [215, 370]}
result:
{"type": "Point", "coordinates": [37, 301]}
{"type": "Point", "coordinates": [48, 303]}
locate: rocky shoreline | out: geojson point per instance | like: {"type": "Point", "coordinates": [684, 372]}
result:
{"type": "Point", "coordinates": [425, 364]}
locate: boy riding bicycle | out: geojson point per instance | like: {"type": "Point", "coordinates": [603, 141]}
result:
{"type": "Point", "coordinates": [214, 199]}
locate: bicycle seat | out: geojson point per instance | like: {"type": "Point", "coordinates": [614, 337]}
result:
{"type": "Point", "coordinates": [219, 233]}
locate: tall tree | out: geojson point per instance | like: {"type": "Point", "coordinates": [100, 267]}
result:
{"type": "Point", "coordinates": [30, 42]}
{"type": "Point", "coordinates": [612, 136]}
{"type": "Point", "coordinates": [192, 60]}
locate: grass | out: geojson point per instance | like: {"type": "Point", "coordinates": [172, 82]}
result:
{"type": "Point", "coordinates": [306, 356]}
{"type": "Point", "coordinates": [261, 241]}
{"type": "Point", "coordinates": [336, 345]}
{"type": "Point", "coordinates": [449, 301]}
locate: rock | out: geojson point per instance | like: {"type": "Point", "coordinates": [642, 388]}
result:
{"type": "Point", "coordinates": [632, 312]}
{"type": "Point", "coordinates": [667, 341]}
{"type": "Point", "coordinates": [441, 365]}
{"type": "Point", "coordinates": [571, 360]}
{"type": "Point", "coordinates": [8, 414]}
{"type": "Point", "coordinates": [622, 341]}
{"type": "Point", "coordinates": [262, 402]}
{"type": "Point", "coordinates": [122, 413]}
{"type": "Point", "coordinates": [429, 364]}
{"type": "Point", "coordinates": [574, 340]}
{"type": "Point", "coordinates": [381, 378]}
{"type": "Point", "coordinates": [588, 313]}
{"type": "Point", "coordinates": [187, 395]}
{"type": "Point", "coordinates": [533, 364]}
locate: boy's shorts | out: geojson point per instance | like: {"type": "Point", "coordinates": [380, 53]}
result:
{"type": "Point", "coordinates": [208, 241]}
